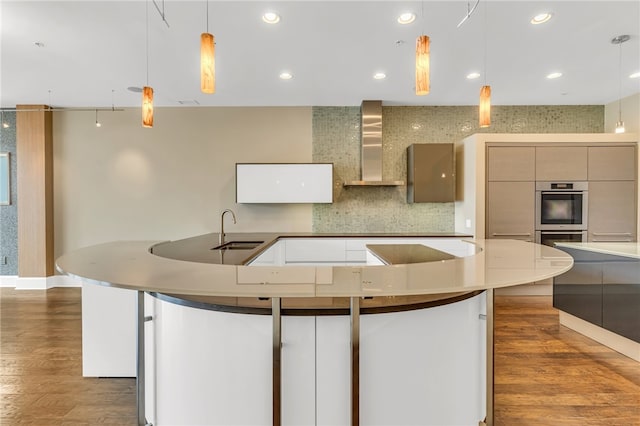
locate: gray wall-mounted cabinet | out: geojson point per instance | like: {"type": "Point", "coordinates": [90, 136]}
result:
{"type": "Point", "coordinates": [430, 173]}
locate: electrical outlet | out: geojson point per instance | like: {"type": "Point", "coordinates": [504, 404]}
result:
{"type": "Point", "coordinates": [4, 260]}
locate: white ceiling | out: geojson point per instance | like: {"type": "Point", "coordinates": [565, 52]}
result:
{"type": "Point", "coordinates": [94, 50]}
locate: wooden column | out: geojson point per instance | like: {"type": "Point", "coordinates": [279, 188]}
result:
{"type": "Point", "coordinates": [34, 155]}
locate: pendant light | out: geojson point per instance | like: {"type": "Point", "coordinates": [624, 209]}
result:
{"type": "Point", "coordinates": [619, 40]}
{"type": "Point", "coordinates": [484, 108]}
{"type": "Point", "coordinates": [147, 91]}
{"type": "Point", "coordinates": [207, 60]}
{"type": "Point", "coordinates": [422, 62]}
{"type": "Point", "coordinates": [422, 65]}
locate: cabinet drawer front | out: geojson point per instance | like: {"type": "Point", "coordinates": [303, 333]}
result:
{"type": "Point", "coordinates": [315, 250]}
{"type": "Point", "coordinates": [510, 163]}
{"type": "Point", "coordinates": [561, 163]}
{"type": "Point", "coordinates": [510, 210]}
{"type": "Point", "coordinates": [612, 163]}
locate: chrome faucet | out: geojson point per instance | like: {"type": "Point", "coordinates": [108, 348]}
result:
{"type": "Point", "coordinates": [221, 240]}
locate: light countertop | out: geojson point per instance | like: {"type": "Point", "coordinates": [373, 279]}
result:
{"type": "Point", "coordinates": [625, 249]}
{"type": "Point", "coordinates": [131, 265]}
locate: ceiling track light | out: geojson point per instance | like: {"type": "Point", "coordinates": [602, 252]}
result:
{"type": "Point", "coordinates": [207, 60]}
{"type": "Point", "coordinates": [470, 11]}
{"type": "Point", "coordinates": [161, 12]}
{"type": "Point", "coordinates": [619, 40]}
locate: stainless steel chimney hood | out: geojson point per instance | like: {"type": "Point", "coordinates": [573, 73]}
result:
{"type": "Point", "coordinates": [371, 147]}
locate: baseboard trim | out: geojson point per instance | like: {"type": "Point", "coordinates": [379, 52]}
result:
{"type": "Point", "coordinates": [38, 283]}
{"type": "Point", "coordinates": [611, 340]}
{"type": "Point", "coordinates": [8, 280]}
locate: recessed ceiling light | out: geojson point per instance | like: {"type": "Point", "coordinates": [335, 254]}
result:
{"type": "Point", "coordinates": [635, 75]}
{"type": "Point", "coordinates": [38, 44]}
{"type": "Point", "coordinates": [541, 18]}
{"type": "Point", "coordinates": [286, 75]}
{"type": "Point", "coordinates": [406, 18]}
{"type": "Point", "coordinates": [271, 18]}
{"type": "Point", "coordinates": [379, 76]}
{"type": "Point", "coordinates": [554, 75]}
{"type": "Point", "coordinates": [473, 75]}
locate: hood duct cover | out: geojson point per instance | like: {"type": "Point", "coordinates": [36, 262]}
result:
{"type": "Point", "coordinates": [371, 147]}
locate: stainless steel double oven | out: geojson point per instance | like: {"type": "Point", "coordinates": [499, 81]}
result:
{"type": "Point", "coordinates": [561, 212]}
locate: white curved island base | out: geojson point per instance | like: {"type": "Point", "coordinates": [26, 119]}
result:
{"type": "Point", "coordinates": [352, 364]}
{"type": "Point", "coordinates": [426, 367]}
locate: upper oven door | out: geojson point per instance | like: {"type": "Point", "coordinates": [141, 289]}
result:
{"type": "Point", "coordinates": [561, 210]}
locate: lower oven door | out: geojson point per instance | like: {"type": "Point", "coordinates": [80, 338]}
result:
{"type": "Point", "coordinates": [548, 238]}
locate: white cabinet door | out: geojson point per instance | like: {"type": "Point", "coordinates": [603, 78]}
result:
{"type": "Point", "coordinates": [415, 370]}
{"type": "Point", "coordinates": [304, 250]}
{"type": "Point", "coordinates": [298, 371]}
{"type": "Point", "coordinates": [108, 331]}
{"type": "Point", "coordinates": [212, 368]}
{"type": "Point", "coordinates": [333, 387]}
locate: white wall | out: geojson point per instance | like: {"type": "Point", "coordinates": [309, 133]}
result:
{"type": "Point", "coordinates": [630, 114]}
{"type": "Point", "coordinates": [124, 182]}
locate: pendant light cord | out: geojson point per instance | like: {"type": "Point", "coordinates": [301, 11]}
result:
{"type": "Point", "coordinates": [207, 16]}
{"type": "Point", "coordinates": [147, 41]}
{"type": "Point", "coordinates": [620, 82]}
{"type": "Point", "coordinates": [422, 15]}
{"type": "Point", "coordinates": [485, 44]}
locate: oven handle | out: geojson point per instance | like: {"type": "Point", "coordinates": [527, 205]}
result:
{"type": "Point", "coordinates": [563, 192]}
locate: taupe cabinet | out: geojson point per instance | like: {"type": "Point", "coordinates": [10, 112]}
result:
{"type": "Point", "coordinates": [511, 192]}
{"type": "Point", "coordinates": [513, 170]}
{"type": "Point", "coordinates": [612, 193]}
{"type": "Point", "coordinates": [431, 173]}
{"type": "Point", "coordinates": [511, 164]}
{"type": "Point", "coordinates": [511, 210]}
{"type": "Point", "coordinates": [561, 163]}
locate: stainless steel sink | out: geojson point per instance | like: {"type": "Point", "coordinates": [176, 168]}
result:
{"type": "Point", "coordinates": [238, 245]}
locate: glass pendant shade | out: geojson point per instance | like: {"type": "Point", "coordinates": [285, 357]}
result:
{"type": "Point", "coordinates": [147, 106]}
{"type": "Point", "coordinates": [207, 63]}
{"type": "Point", "coordinates": [485, 106]}
{"type": "Point", "coordinates": [619, 126]}
{"type": "Point", "coordinates": [422, 65]}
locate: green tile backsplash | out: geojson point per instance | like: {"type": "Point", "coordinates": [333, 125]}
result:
{"type": "Point", "coordinates": [336, 139]}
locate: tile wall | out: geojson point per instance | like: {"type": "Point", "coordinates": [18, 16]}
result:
{"type": "Point", "coordinates": [336, 139]}
{"type": "Point", "coordinates": [9, 214]}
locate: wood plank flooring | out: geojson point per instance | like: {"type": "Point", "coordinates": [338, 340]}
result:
{"type": "Point", "coordinates": [41, 379]}
{"type": "Point", "coordinates": [545, 373]}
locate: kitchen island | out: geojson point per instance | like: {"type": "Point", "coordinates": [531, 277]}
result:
{"type": "Point", "coordinates": [419, 353]}
{"type": "Point", "coordinates": [600, 296]}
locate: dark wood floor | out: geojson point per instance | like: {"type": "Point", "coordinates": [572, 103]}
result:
{"type": "Point", "coordinates": [545, 373]}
